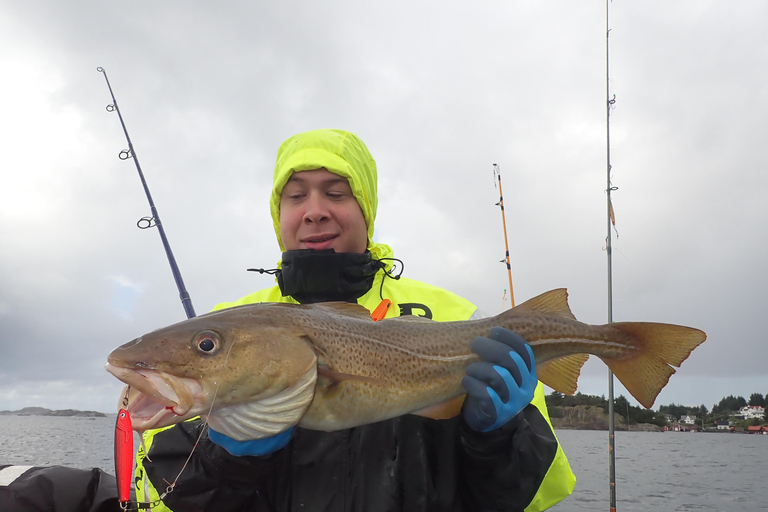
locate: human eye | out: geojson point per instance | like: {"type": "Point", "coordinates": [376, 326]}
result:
{"type": "Point", "coordinates": [339, 191]}
{"type": "Point", "coordinates": [293, 192]}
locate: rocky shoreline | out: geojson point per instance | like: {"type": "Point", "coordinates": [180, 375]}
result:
{"type": "Point", "coordinates": [41, 411]}
{"type": "Point", "coordinates": [592, 417]}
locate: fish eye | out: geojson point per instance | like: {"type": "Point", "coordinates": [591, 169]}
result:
{"type": "Point", "coordinates": [207, 342]}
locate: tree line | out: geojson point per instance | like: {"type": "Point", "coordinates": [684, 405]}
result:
{"type": "Point", "coordinates": [721, 411]}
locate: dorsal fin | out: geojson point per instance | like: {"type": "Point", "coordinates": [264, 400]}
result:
{"type": "Point", "coordinates": [553, 302]}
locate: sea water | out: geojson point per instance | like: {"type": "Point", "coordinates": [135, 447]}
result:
{"type": "Point", "coordinates": [58, 441]}
{"type": "Point", "coordinates": [654, 471]}
{"type": "Point", "coordinates": [667, 471]}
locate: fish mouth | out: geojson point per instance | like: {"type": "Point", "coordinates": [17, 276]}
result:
{"type": "Point", "coordinates": [157, 399]}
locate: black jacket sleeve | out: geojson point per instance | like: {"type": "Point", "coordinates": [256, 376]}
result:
{"type": "Point", "coordinates": [503, 469]}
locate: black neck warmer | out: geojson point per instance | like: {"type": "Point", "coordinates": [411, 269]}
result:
{"type": "Point", "coordinates": [325, 276]}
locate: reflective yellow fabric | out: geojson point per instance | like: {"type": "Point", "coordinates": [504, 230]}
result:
{"type": "Point", "coordinates": [443, 305]}
{"type": "Point", "coordinates": [145, 491]}
{"type": "Point", "coordinates": [559, 481]}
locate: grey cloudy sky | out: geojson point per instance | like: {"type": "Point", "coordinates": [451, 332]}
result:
{"type": "Point", "coordinates": [439, 91]}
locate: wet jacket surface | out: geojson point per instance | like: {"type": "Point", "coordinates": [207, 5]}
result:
{"type": "Point", "coordinates": [403, 464]}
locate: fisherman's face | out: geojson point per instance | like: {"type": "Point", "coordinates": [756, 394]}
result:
{"type": "Point", "coordinates": [318, 211]}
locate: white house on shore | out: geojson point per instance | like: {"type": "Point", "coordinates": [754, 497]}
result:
{"type": "Point", "coordinates": [751, 411]}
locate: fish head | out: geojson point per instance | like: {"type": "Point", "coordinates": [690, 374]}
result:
{"type": "Point", "coordinates": [240, 355]}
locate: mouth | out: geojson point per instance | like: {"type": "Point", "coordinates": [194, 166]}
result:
{"type": "Point", "coordinates": [156, 399]}
{"type": "Point", "coordinates": [324, 241]}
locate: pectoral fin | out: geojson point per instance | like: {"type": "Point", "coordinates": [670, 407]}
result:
{"type": "Point", "coordinates": [443, 410]}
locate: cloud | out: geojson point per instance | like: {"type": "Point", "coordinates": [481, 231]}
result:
{"type": "Point", "coordinates": [439, 92]}
{"type": "Point", "coordinates": [125, 295]}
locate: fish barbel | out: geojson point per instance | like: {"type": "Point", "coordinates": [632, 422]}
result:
{"type": "Point", "coordinates": [255, 370]}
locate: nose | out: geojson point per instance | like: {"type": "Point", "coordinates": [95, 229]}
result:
{"type": "Point", "coordinates": [316, 209]}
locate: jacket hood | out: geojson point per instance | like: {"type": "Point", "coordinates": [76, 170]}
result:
{"type": "Point", "coordinates": [340, 152]}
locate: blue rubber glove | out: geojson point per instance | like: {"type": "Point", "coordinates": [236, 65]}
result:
{"type": "Point", "coordinates": [502, 384]}
{"type": "Point", "coordinates": [255, 447]}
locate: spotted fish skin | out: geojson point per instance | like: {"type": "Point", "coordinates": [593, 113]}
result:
{"type": "Point", "coordinates": [364, 371]}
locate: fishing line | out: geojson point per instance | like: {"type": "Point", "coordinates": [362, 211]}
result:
{"type": "Point", "coordinates": [153, 221]}
{"type": "Point", "coordinates": [203, 427]}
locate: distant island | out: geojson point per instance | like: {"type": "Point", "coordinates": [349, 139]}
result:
{"type": "Point", "coordinates": [41, 411]}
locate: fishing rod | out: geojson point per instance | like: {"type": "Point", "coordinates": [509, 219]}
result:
{"type": "Point", "coordinates": [608, 249]}
{"type": "Point", "coordinates": [500, 204]}
{"type": "Point", "coordinates": [154, 220]}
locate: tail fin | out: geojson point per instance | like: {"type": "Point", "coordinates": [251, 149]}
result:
{"type": "Point", "coordinates": [661, 346]}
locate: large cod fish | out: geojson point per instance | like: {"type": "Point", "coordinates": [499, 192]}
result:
{"type": "Point", "coordinates": [253, 371]}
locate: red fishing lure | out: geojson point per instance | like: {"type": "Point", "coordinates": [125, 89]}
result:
{"type": "Point", "coordinates": [123, 455]}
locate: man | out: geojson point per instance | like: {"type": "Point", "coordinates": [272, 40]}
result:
{"type": "Point", "coordinates": [500, 453]}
